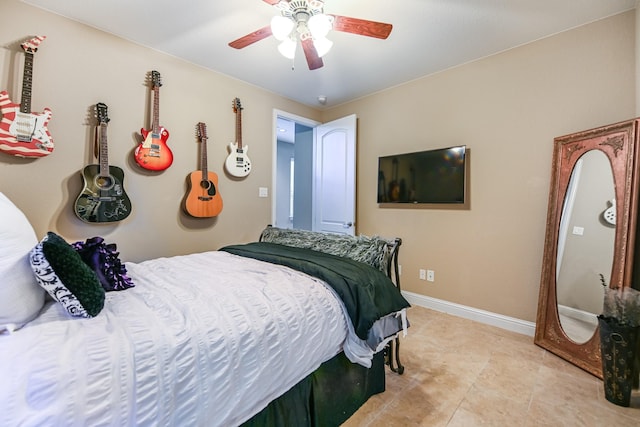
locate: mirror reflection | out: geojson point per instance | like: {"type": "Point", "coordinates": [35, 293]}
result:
{"type": "Point", "coordinates": [586, 241]}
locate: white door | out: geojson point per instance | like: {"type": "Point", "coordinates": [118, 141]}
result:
{"type": "Point", "coordinates": [334, 184]}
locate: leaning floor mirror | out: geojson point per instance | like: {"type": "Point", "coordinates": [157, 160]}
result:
{"type": "Point", "coordinates": [590, 237]}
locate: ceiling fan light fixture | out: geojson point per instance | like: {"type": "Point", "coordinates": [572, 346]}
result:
{"type": "Point", "coordinates": [306, 22]}
{"type": "Point", "coordinates": [287, 48]}
{"type": "Point", "coordinates": [322, 45]}
{"type": "Point", "coordinates": [281, 27]}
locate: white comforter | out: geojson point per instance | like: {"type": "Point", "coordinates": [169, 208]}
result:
{"type": "Point", "coordinates": [201, 340]}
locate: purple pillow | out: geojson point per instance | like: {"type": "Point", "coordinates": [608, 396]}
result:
{"type": "Point", "coordinates": [103, 259]}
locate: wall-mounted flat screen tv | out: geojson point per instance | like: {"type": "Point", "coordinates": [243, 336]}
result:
{"type": "Point", "coordinates": [433, 176]}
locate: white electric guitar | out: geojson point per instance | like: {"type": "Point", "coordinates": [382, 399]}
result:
{"type": "Point", "coordinates": [23, 133]}
{"type": "Point", "coordinates": [609, 214]}
{"type": "Point", "coordinates": [238, 163]}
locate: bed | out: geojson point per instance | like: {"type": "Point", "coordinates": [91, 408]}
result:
{"type": "Point", "coordinates": [293, 329]}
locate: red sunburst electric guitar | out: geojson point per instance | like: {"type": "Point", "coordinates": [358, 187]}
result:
{"type": "Point", "coordinates": [23, 133]}
{"type": "Point", "coordinates": [153, 153]}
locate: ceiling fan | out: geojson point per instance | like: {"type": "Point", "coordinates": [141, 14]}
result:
{"type": "Point", "coordinates": [306, 21]}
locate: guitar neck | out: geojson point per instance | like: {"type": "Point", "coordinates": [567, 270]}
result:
{"type": "Point", "coordinates": [203, 160]}
{"type": "Point", "coordinates": [239, 128]}
{"type": "Point", "coordinates": [155, 125]}
{"type": "Point", "coordinates": [27, 80]}
{"type": "Point", "coordinates": [103, 150]}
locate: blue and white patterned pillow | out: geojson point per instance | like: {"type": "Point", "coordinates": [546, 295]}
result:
{"type": "Point", "coordinates": [62, 273]}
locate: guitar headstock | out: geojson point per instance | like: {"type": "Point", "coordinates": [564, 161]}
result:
{"type": "Point", "coordinates": [201, 130]}
{"type": "Point", "coordinates": [156, 81]}
{"type": "Point", "coordinates": [236, 105]}
{"type": "Point", "coordinates": [101, 113]}
{"type": "Point", "coordinates": [31, 46]}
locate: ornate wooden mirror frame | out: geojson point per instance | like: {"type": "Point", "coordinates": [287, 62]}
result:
{"type": "Point", "coordinates": [619, 143]}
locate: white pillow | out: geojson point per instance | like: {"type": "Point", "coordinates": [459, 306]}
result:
{"type": "Point", "coordinates": [21, 299]}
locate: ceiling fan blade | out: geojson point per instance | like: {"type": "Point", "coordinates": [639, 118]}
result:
{"type": "Point", "coordinates": [251, 37]}
{"type": "Point", "coordinates": [362, 27]}
{"type": "Point", "coordinates": [311, 54]}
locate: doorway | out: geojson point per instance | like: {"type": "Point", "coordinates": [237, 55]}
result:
{"type": "Point", "coordinates": [314, 176]}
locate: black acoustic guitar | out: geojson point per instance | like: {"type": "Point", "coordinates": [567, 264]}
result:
{"type": "Point", "coordinates": [103, 198]}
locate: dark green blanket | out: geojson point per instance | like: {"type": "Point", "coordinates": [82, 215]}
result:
{"type": "Point", "coordinates": [366, 292]}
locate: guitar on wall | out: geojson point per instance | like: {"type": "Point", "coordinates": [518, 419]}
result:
{"type": "Point", "coordinates": [103, 198]}
{"type": "Point", "coordinates": [203, 199]}
{"type": "Point", "coordinates": [23, 133]}
{"type": "Point", "coordinates": [238, 163]}
{"type": "Point", "coordinates": [153, 153]}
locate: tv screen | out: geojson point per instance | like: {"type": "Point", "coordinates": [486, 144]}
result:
{"type": "Point", "coordinates": [433, 176]}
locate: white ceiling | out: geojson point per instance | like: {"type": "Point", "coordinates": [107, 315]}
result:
{"type": "Point", "coordinates": [428, 36]}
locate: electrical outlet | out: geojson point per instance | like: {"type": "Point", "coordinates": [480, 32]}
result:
{"type": "Point", "coordinates": [423, 274]}
{"type": "Point", "coordinates": [431, 276]}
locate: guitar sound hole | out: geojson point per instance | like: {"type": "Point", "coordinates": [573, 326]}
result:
{"type": "Point", "coordinates": [209, 187]}
{"type": "Point", "coordinates": [104, 182]}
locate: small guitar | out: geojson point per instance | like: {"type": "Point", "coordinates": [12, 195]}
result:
{"type": "Point", "coordinates": [238, 163]}
{"type": "Point", "coordinates": [609, 214]}
{"type": "Point", "coordinates": [23, 133]}
{"type": "Point", "coordinates": [203, 199]}
{"type": "Point", "coordinates": [103, 198]}
{"type": "Point", "coordinates": [153, 153]}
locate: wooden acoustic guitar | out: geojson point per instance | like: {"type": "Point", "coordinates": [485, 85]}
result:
{"type": "Point", "coordinates": [203, 199]}
{"type": "Point", "coordinates": [153, 153]}
{"type": "Point", "coordinates": [238, 163]}
{"type": "Point", "coordinates": [103, 198]}
{"type": "Point", "coordinates": [23, 133]}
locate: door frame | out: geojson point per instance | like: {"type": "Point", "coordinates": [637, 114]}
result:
{"type": "Point", "coordinates": [274, 150]}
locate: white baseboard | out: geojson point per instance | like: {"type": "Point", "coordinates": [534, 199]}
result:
{"type": "Point", "coordinates": [581, 315]}
{"type": "Point", "coordinates": [505, 322]}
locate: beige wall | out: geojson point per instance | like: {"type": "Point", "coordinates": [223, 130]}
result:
{"type": "Point", "coordinates": [76, 67]}
{"type": "Point", "coordinates": [506, 108]}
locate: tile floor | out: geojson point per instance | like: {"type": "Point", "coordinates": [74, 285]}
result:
{"type": "Point", "coordinates": [463, 373]}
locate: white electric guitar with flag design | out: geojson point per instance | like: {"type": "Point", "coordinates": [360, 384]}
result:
{"type": "Point", "coordinates": [23, 133]}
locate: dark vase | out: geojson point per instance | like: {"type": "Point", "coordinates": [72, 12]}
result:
{"type": "Point", "coordinates": [618, 345]}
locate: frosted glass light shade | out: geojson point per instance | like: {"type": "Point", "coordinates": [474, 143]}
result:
{"type": "Point", "coordinates": [287, 48]}
{"type": "Point", "coordinates": [320, 25]}
{"type": "Point", "coordinates": [322, 45]}
{"type": "Point", "coordinates": [281, 27]}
